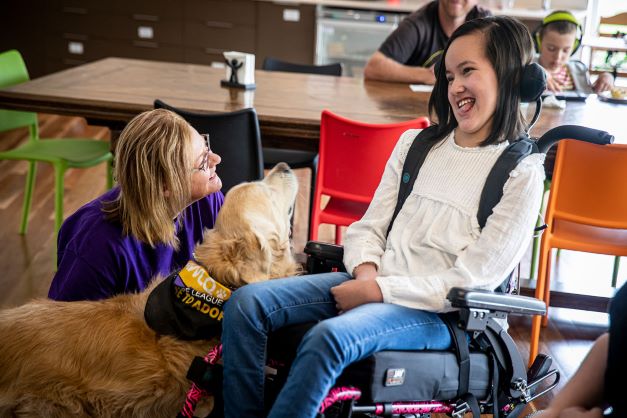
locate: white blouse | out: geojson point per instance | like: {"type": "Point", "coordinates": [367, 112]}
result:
{"type": "Point", "coordinates": [436, 243]}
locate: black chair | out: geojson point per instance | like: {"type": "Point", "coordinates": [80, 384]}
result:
{"type": "Point", "coordinates": [297, 158]}
{"type": "Point", "coordinates": [235, 137]}
{"type": "Point", "coordinates": [273, 64]}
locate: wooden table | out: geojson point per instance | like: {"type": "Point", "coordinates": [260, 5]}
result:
{"type": "Point", "coordinates": [593, 113]}
{"type": "Point", "coordinates": [114, 90]}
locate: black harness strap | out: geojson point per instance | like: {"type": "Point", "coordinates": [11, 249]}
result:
{"type": "Point", "coordinates": [493, 189]}
{"type": "Point", "coordinates": [495, 386]}
{"type": "Point", "coordinates": [415, 157]}
{"type": "Point", "coordinates": [460, 344]}
{"type": "Point", "coordinates": [470, 402]}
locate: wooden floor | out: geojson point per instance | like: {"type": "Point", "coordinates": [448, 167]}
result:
{"type": "Point", "coordinates": [28, 266]}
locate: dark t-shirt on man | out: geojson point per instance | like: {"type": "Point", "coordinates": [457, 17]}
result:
{"type": "Point", "coordinates": [419, 36]}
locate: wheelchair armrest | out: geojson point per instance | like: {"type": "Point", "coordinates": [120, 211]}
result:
{"type": "Point", "coordinates": [498, 302]}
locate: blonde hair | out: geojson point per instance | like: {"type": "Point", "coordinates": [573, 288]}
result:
{"type": "Point", "coordinates": [153, 169]}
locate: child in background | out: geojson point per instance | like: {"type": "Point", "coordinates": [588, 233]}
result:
{"type": "Point", "coordinates": [557, 39]}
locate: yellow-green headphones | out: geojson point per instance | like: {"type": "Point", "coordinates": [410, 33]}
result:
{"type": "Point", "coordinates": [559, 16]}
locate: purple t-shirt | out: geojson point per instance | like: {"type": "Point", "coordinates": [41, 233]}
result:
{"type": "Point", "coordinates": [96, 261]}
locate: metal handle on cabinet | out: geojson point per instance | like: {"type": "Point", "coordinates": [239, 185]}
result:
{"type": "Point", "coordinates": [75, 47]}
{"type": "Point", "coordinates": [145, 32]}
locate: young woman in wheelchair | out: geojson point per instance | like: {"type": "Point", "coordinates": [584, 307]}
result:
{"type": "Point", "coordinates": [400, 280]}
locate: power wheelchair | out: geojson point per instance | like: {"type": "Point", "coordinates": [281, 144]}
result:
{"type": "Point", "coordinates": [482, 373]}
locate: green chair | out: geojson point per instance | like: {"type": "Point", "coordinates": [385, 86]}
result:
{"type": "Point", "coordinates": [62, 153]}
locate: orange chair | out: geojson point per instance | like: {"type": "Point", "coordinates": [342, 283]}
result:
{"type": "Point", "coordinates": [352, 159]}
{"type": "Point", "coordinates": [587, 210]}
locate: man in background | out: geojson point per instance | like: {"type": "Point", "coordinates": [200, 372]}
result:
{"type": "Point", "coordinates": [409, 54]}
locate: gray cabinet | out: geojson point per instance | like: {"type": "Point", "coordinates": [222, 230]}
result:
{"type": "Point", "coordinates": [212, 27]}
{"type": "Point", "coordinates": [80, 31]}
{"type": "Point", "coordinates": [57, 34]}
{"type": "Point", "coordinates": [23, 27]}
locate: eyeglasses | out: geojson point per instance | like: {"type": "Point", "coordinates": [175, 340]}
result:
{"type": "Point", "coordinates": [205, 161]}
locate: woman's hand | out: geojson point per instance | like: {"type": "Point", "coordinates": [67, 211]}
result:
{"type": "Point", "coordinates": [604, 82]}
{"type": "Point", "coordinates": [353, 293]}
{"type": "Point", "coordinates": [552, 84]}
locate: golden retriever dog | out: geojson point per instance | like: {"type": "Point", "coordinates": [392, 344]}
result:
{"type": "Point", "coordinates": [99, 358]}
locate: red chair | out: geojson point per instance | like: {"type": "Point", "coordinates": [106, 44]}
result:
{"type": "Point", "coordinates": [352, 159]}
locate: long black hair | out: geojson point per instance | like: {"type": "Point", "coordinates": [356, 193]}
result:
{"type": "Point", "coordinates": [508, 47]}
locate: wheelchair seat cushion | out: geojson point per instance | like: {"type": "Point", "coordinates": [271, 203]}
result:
{"type": "Point", "coordinates": [390, 376]}
{"type": "Point", "coordinates": [419, 375]}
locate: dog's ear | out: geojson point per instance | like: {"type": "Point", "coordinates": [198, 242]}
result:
{"type": "Point", "coordinates": [273, 236]}
{"type": "Point", "coordinates": [260, 253]}
{"type": "Point", "coordinates": [237, 261]}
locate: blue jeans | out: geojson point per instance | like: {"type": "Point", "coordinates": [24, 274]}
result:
{"type": "Point", "coordinates": [255, 310]}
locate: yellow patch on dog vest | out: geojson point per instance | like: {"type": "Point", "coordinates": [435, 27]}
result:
{"type": "Point", "coordinates": [196, 277]}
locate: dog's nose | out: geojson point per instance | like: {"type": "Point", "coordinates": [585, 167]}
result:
{"type": "Point", "coordinates": [283, 167]}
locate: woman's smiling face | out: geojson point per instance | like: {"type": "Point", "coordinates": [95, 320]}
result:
{"type": "Point", "coordinates": [472, 88]}
{"type": "Point", "coordinates": [205, 180]}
